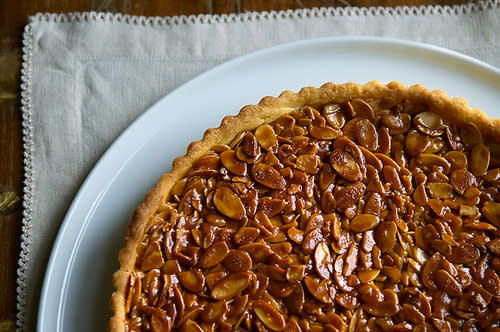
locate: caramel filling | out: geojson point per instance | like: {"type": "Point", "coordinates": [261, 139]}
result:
{"type": "Point", "coordinates": [362, 216]}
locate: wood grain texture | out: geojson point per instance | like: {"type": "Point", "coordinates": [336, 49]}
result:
{"type": "Point", "coordinates": [13, 16]}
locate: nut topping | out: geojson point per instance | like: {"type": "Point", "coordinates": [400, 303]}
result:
{"type": "Point", "coordinates": [461, 180]}
{"type": "Point", "coordinates": [214, 255]}
{"type": "Point", "coordinates": [323, 260]}
{"type": "Point", "coordinates": [334, 116]}
{"type": "Point", "coordinates": [388, 306]}
{"type": "Point", "coordinates": [429, 123]}
{"type": "Point", "coordinates": [318, 289]}
{"type": "Point", "coordinates": [366, 134]}
{"type": "Point", "coordinates": [416, 143]}
{"type": "Point", "coordinates": [269, 315]}
{"type": "Point", "coordinates": [368, 214]}
{"type": "Point", "coordinates": [364, 222]}
{"type": "Point", "coordinates": [491, 210]}
{"type": "Point", "coordinates": [237, 261]}
{"type": "Point", "coordinates": [268, 176]}
{"type": "Point", "coordinates": [192, 280]}
{"type": "Point", "coordinates": [233, 164]}
{"type": "Point", "coordinates": [470, 135]}
{"type": "Point", "coordinates": [266, 137]}
{"type": "Point", "coordinates": [396, 123]}
{"type": "Point", "coordinates": [361, 109]}
{"type": "Point", "coordinates": [479, 159]}
{"type": "Point", "coordinates": [231, 285]}
{"type": "Point", "coordinates": [345, 166]}
{"type": "Point", "coordinates": [228, 203]}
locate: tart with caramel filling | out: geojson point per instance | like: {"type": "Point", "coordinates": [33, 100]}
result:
{"type": "Point", "coordinates": [346, 207]}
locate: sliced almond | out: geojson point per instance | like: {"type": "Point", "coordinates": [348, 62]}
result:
{"type": "Point", "coordinates": [364, 222]}
{"type": "Point", "coordinates": [266, 137]}
{"type": "Point", "coordinates": [214, 255]}
{"type": "Point", "coordinates": [229, 204]}
{"type": "Point", "coordinates": [230, 286]}
{"type": "Point", "coordinates": [268, 315]}
{"type": "Point", "coordinates": [192, 280]}
{"type": "Point", "coordinates": [323, 260]}
{"type": "Point", "coordinates": [318, 289]}
{"type": "Point", "coordinates": [345, 165]}
{"type": "Point", "coordinates": [237, 261]}
{"type": "Point", "coordinates": [267, 176]}
{"type": "Point", "coordinates": [234, 165]}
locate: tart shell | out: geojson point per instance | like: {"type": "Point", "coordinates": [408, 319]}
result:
{"type": "Point", "coordinates": [456, 110]}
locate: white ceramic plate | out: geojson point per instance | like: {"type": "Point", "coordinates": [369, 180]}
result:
{"type": "Point", "coordinates": [77, 286]}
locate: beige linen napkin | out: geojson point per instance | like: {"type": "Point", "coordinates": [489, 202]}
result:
{"type": "Point", "coordinates": [87, 76]}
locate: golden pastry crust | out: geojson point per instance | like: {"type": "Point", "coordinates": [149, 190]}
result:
{"type": "Point", "coordinates": [456, 110]}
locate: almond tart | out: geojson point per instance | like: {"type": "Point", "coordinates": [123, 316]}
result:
{"type": "Point", "coordinates": [341, 208]}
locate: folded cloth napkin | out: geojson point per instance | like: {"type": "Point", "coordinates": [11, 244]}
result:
{"type": "Point", "coordinates": [87, 76]}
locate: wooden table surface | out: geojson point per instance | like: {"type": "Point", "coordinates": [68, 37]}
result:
{"type": "Point", "coordinates": [13, 16]}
